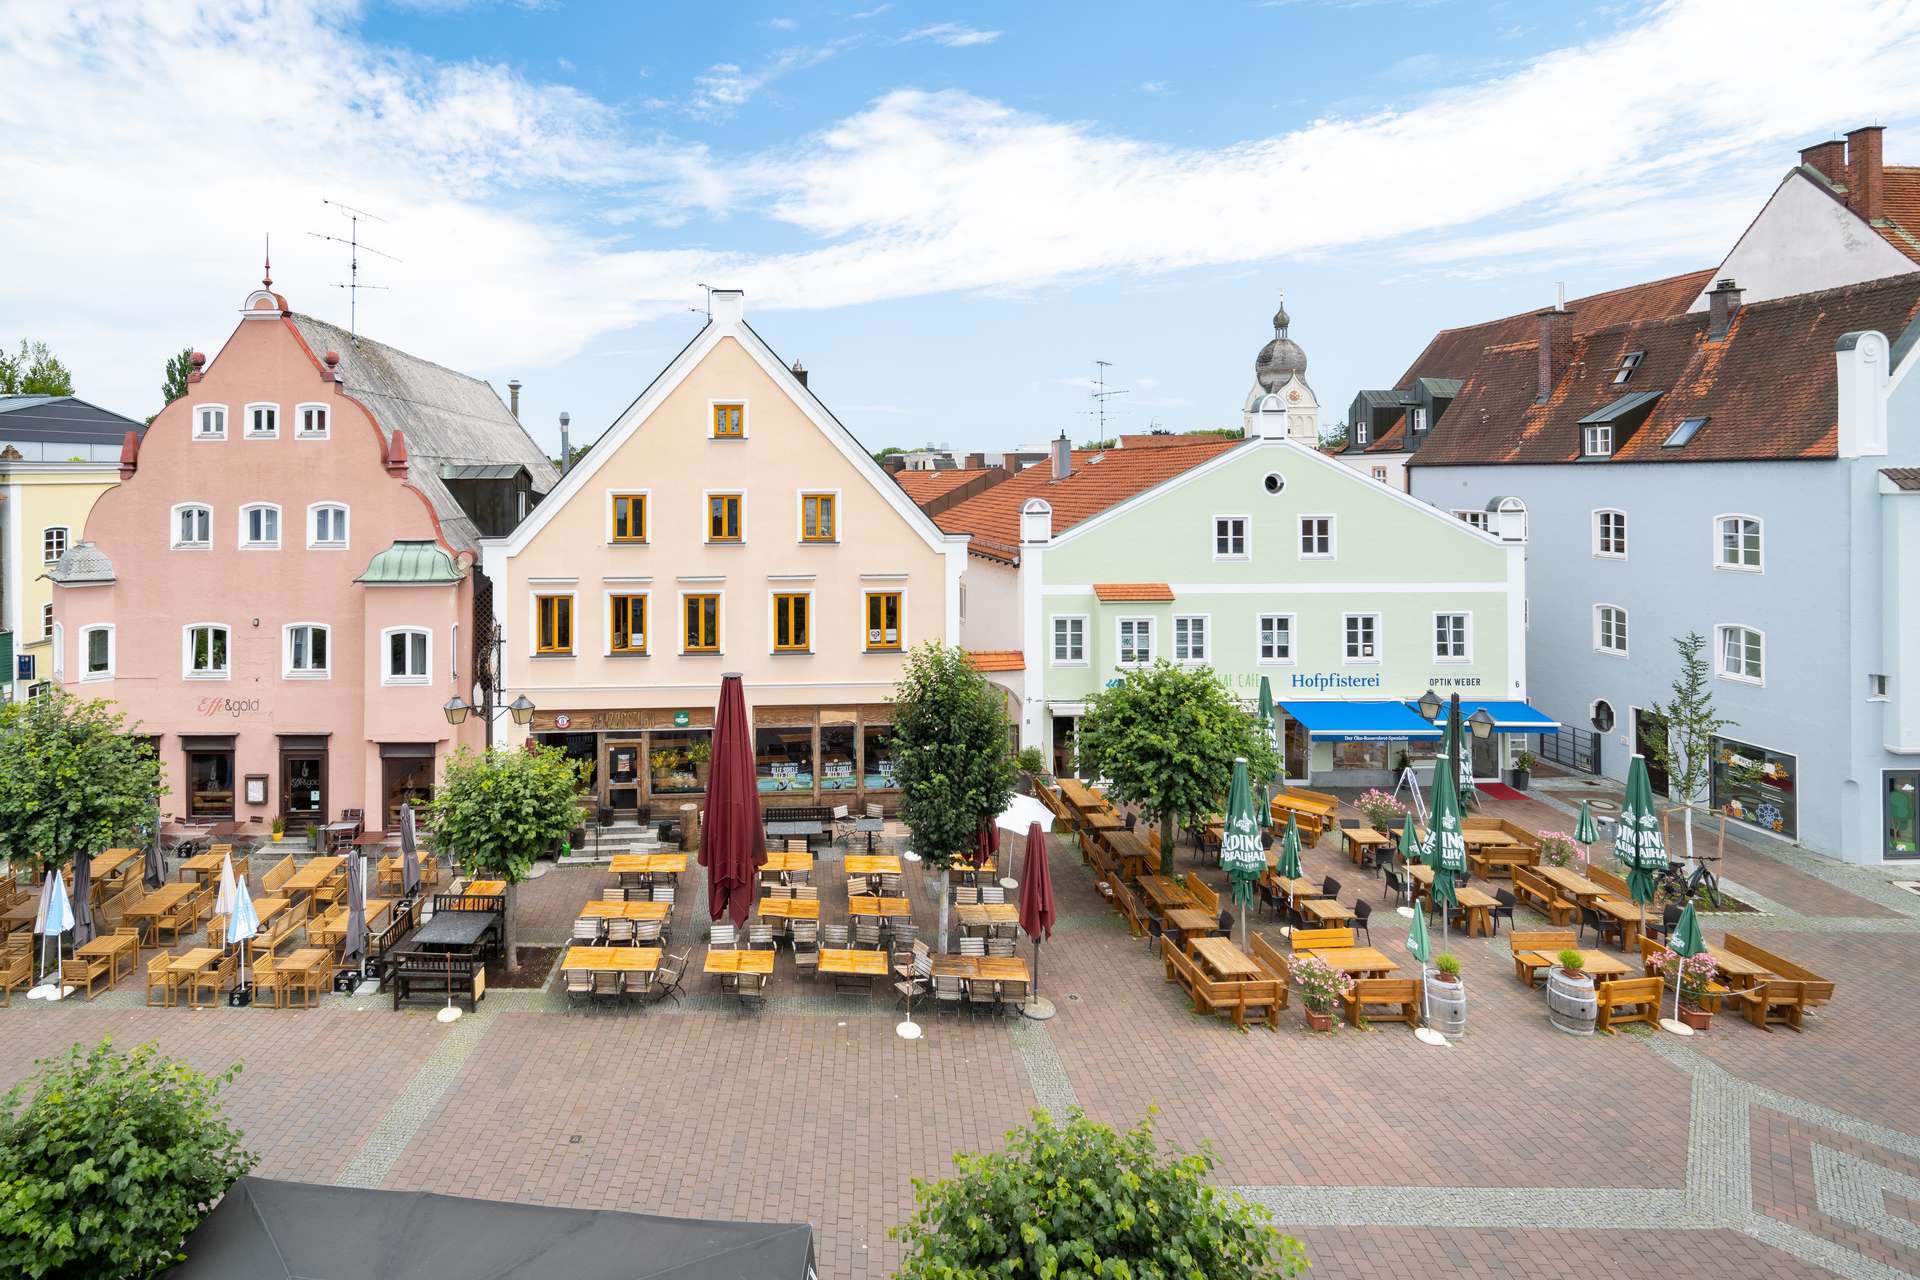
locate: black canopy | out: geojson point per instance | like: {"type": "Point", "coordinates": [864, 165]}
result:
{"type": "Point", "coordinates": [269, 1230]}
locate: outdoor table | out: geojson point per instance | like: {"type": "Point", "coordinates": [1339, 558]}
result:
{"type": "Point", "coordinates": [1360, 839]}
{"type": "Point", "coordinates": [987, 968]}
{"type": "Point", "coordinates": [265, 909]}
{"type": "Point", "coordinates": [1225, 960]}
{"type": "Point", "coordinates": [192, 962]}
{"type": "Point", "coordinates": [1595, 964]}
{"type": "Point", "coordinates": [1104, 820]}
{"type": "Point", "coordinates": [484, 889]}
{"type": "Point", "coordinates": [1627, 913]}
{"type": "Point", "coordinates": [1478, 909]}
{"type": "Point", "coordinates": [1576, 885]}
{"type": "Point", "coordinates": [876, 864]}
{"type": "Point", "coordinates": [742, 961]}
{"type": "Point", "coordinates": [1740, 973]}
{"type": "Point", "coordinates": [1297, 888]}
{"type": "Point", "coordinates": [782, 862]}
{"type": "Point", "coordinates": [865, 905]}
{"type": "Point", "coordinates": [310, 877]}
{"type": "Point", "coordinates": [871, 827]}
{"type": "Point", "coordinates": [110, 947]}
{"type": "Point", "coordinates": [334, 832]}
{"type": "Point", "coordinates": [202, 865]}
{"type": "Point", "coordinates": [628, 910]}
{"type": "Point", "coordinates": [984, 915]}
{"type": "Point", "coordinates": [612, 959]}
{"type": "Point", "coordinates": [1135, 858]}
{"type": "Point", "coordinates": [1191, 921]}
{"type": "Point", "coordinates": [1165, 892]}
{"type": "Point", "coordinates": [788, 908]}
{"type": "Point", "coordinates": [1326, 913]}
{"type": "Point", "coordinates": [1359, 962]}
{"type": "Point", "coordinates": [20, 915]}
{"type": "Point", "coordinates": [106, 864]}
{"type": "Point", "coordinates": [161, 902]}
{"type": "Point", "coordinates": [648, 864]}
{"type": "Point", "coordinates": [965, 867]}
{"type": "Point", "coordinates": [859, 964]}
{"type": "Point", "coordinates": [792, 827]}
{"type": "Point", "coordinates": [330, 930]}
{"type": "Point", "coordinates": [302, 966]}
{"type": "Point", "coordinates": [1081, 796]}
{"type": "Point", "coordinates": [455, 931]}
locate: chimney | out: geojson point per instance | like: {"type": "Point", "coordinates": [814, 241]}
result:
{"type": "Point", "coordinates": [800, 372]}
{"type": "Point", "coordinates": [513, 399]}
{"type": "Point", "coordinates": [1062, 458]}
{"type": "Point", "coordinates": [1866, 184]}
{"type": "Point", "coordinates": [895, 463]}
{"type": "Point", "coordinates": [129, 454]}
{"type": "Point", "coordinates": [1556, 349]}
{"type": "Point", "coordinates": [397, 455]}
{"type": "Point", "coordinates": [1723, 303]}
{"type": "Point", "coordinates": [976, 462]}
{"type": "Point", "coordinates": [566, 451]}
{"type": "Point", "coordinates": [1830, 158]}
{"type": "Point", "coordinates": [727, 306]}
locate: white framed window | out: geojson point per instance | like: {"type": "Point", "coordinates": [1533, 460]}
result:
{"type": "Point", "coordinates": [327, 526]}
{"type": "Point", "coordinates": [262, 421]}
{"type": "Point", "coordinates": [1070, 640]}
{"type": "Point", "coordinates": [1316, 538]}
{"type": "Point", "coordinates": [1190, 638]}
{"type": "Point", "coordinates": [310, 422]}
{"type": "Point", "coordinates": [59, 636]}
{"type": "Point", "coordinates": [1136, 642]}
{"type": "Point", "coordinates": [1380, 474]}
{"type": "Point", "coordinates": [1452, 637]}
{"type": "Point", "coordinates": [1737, 544]}
{"type": "Point", "coordinates": [1362, 637]}
{"type": "Point", "coordinates": [260, 527]}
{"type": "Point", "coordinates": [1511, 524]}
{"type": "Point", "coordinates": [1876, 688]}
{"type": "Point", "coordinates": [1610, 629]}
{"type": "Point", "coordinates": [46, 622]}
{"type": "Point", "coordinates": [96, 653]}
{"type": "Point", "coordinates": [308, 651]}
{"type": "Point", "coordinates": [1742, 653]}
{"type": "Point", "coordinates": [1596, 440]}
{"type": "Point", "coordinates": [1274, 637]}
{"type": "Point", "coordinates": [1628, 363]}
{"type": "Point", "coordinates": [209, 422]}
{"type": "Point", "coordinates": [1230, 537]}
{"type": "Point", "coordinates": [406, 655]}
{"type": "Point", "coordinates": [1610, 533]}
{"type": "Point", "coordinates": [192, 526]}
{"type": "Point", "coordinates": [53, 543]}
{"type": "Point", "coordinates": [203, 651]}
{"type": "Point", "coordinates": [1481, 520]}
{"type": "Point", "coordinates": [1360, 432]}
{"type": "Point", "coordinates": [1418, 419]}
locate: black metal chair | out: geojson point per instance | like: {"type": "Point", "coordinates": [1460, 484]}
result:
{"type": "Point", "coordinates": [1602, 925]}
{"type": "Point", "coordinates": [1362, 911]}
{"type": "Point", "coordinates": [1154, 930]}
{"type": "Point", "coordinates": [1396, 882]}
{"type": "Point", "coordinates": [1507, 903]}
{"type": "Point", "coordinates": [1329, 888]}
{"type": "Point", "coordinates": [1664, 929]}
{"type": "Point", "coordinates": [1270, 900]}
{"type": "Point", "coordinates": [1226, 925]}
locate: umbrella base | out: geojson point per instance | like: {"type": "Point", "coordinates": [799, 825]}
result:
{"type": "Point", "coordinates": [449, 1014]}
{"type": "Point", "coordinates": [1427, 1035]}
{"type": "Point", "coordinates": [49, 991]}
{"type": "Point", "coordinates": [1039, 1009]}
{"type": "Point", "coordinates": [240, 997]}
{"type": "Point", "coordinates": [1404, 911]}
{"type": "Point", "coordinates": [1676, 1026]}
{"type": "Point", "coordinates": [908, 1030]}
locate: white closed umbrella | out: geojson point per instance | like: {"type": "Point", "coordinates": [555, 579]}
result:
{"type": "Point", "coordinates": [1022, 812]}
{"type": "Point", "coordinates": [55, 915]}
{"type": "Point", "coordinates": [243, 922]}
{"type": "Point", "coordinates": [223, 900]}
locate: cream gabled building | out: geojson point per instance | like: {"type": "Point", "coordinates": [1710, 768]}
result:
{"type": "Point", "coordinates": [725, 522]}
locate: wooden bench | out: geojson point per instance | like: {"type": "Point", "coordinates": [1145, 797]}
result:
{"type": "Point", "coordinates": [1212, 996]}
{"type": "Point", "coordinates": [1501, 860]}
{"type": "Point", "coordinates": [1274, 962]}
{"type": "Point", "coordinates": [1541, 896]}
{"type": "Point", "coordinates": [1128, 908]}
{"type": "Point", "coordinates": [1316, 939]}
{"type": "Point", "coordinates": [1206, 898]}
{"type": "Point", "coordinates": [86, 974]}
{"type": "Point", "coordinates": [1400, 997]}
{"type": "Point", "coordinates": [428, 975]}
{"type": "Point", "coordinates": [278, 874]}
{"type": "Point", "coordinates": [1312, 811]}
{"type": "Point", "coordinates": [1547, 942]}
{"type": "Point", "coordinates": [1819, 989]}
{"type": "Point", "coordinates": [1786, 994]}
{"type": "Point", "coordinates": [1614, 883]}
{"type": "Point", "coordinates": [1627, 1000]}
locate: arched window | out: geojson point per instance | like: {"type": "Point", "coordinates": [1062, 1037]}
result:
{"type": "Point", "coordinates": [192, 526]}
{"type": "Point", "coordinates": [260, 527]}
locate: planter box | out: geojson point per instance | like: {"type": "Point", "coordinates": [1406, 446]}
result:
{"type": "Point", "coordinates": [1698, 1019]}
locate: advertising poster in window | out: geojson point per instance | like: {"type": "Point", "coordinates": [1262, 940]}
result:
{"type": "Point", "coordinates": [1754, 785]}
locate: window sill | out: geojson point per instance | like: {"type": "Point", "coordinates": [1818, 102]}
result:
{"type": "Point", "coordinates": [1740, 568]}
{"type": "Point", "coordinates": [259, 546]}
{"type": "Point", "coordinates": [1068, 662]}
{"type": "Point", "coordinates": [552, 657]}
{"type": "Point", "coordinates": [326, 546]}
{"type": "Point", "coordinates": [306, 675]}
{"type": "Point", "coordinates": [1276, 662]}
{"type": "Point", "coordinates": [725, 542]}
{"type": "Point", "coordinates": [94, 677]}
{"type": "Point", "coordinates": [1611, 653]}
{"type": "Point", "coordinates": [702, 653]}
{"type": "Point", "coordinates": [1453, 662]}
{"type": "Point", "coordinates": [818, 542]}
{"type": "Point", "coordinates": [789, 653]}
{"type": "Point", "coordinates": [626, 542]}
{"type": "Point", "coordinates": [206, 675]}
{"type": "Point", "coordinates": [309, 435]}
{"type": "Point", "coordinates": [628, 653]}
{"type": "Point", "coordinates": [261, 435]}
{"type": "Point", "coordinates": [405, 680]}
{"type": "Point", "coordinates": [1318, 555]}
{"type": "Point", "coordinates": [1241, 558]}
{"type": "Point", "coordinates": [1609, 555]}
{"type": "Point", "coordinates": [1757, 682]}
{"type": "Point", "coordinates": [191, 546]}
{"type": "Point", "coordinates": [1361, 662]}
{"type": "Point", "coordinates": [209, 439]}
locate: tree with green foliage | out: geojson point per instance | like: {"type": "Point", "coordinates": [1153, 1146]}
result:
{"type": "Point", "coordinates": [34, 371]}
{"type": "Point", "coordinates": [1686, 752]}
{"type": "Point", "coordinates": [1079, 1200]}
{"type": "Point", "coordinates": [1165, 738]}
{"type": "Point", "coordinates": [174, 385]}
{"type": "Point", "coordinates": [1333, 437]}
{"type": "Point", "coordinates": [1108, 443]}
{"type": "Point", "coordinates": [950, 756]}
{"type": "Point", "coordinates": [112, 1163]}
{"type": "Point", "coordinates": [881, 455]}
{"type": "Point", "coordinates": [73, 779]}
{"type": "Point", "coordinates": [498, 811]}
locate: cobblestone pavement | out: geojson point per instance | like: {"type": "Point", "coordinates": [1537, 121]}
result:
{"type": "Point", "coordinates": [1515, 1151]}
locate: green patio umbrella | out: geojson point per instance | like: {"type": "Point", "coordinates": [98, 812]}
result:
{"type": "Point", "coordinates": [1270, 726]}
{"type": "Point", "coordinates": [1288, 865]}
{"type": "Point", "coordinates": [1409, 850]}
{"type": "Point", "coordinates": [1420, 947]}
{"type": "Point", "coordinates": [1686, 941]}
{"type": "Point", "coordinates": [1639, 844]}
{"type": "Point", "coordinates": [1445, 847]}
{"type": "Point", "coordinates": [1241, 856]}
{"type": "Point", "coordinates": [1585, 831]}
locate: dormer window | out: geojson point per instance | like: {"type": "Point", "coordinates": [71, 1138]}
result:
{"type": "Point", "coordinates": [1628, 364]}
{"type": "Point", "coordinates": [1596, 440]}
{"type": "Point", "coordinates": [1360, 431]}
{"type": "Point", "coordinates": [1417, 419]}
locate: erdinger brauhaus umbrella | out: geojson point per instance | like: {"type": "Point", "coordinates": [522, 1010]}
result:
{"type": "Point", "coordinates": [1585, 831]}
{"type": "Point", "coordinates": [1241, 856]}
{"type": "Point", "coordinates": [733, 845]}
{"type": "Point", "coordinates": [1445, 848]}
{"type": "Point", "coordinates": [1639, 844]}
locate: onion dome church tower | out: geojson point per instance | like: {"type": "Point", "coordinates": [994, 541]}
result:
{"type": "Point", "coordinates": [1281, 403]}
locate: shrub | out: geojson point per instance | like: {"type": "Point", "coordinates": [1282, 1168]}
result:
{"type": "Point", "coordinates": [1557, 849]}
{"type": "Point", "coordinates": [1320, 983]}
{"type": "Point", "coordinates": [1447, 966]}
{"type": "Point", "coordinates": [1381, 809]}
{"type": "Point", "coordinates": [111, 1164]}
{"type": "Point", "coordinates": [1694, 974]}
{"type": "Point", "coordinates": [1031, 760]}
{"type": "Point", "coordinates": [1572, 961]}
{"type": "Point", "coordinates": [1079, 1199]}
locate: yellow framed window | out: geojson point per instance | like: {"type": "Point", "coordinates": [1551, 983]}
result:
{"type": "Point", "coordinates": [629, 517]}
{"type": "Point", "coordinates": [729, 421]}
{"type": "Point", "coordinates": [723, 517]}
{"type": "Point", "coordinates": [819, 518]}
{"type": "Point", "coordinates": [554, 624]}
{"type": "Point", "coordinates": [792, 623]}
{"type": "Point", "coordinates": [883, 621]}
{"type": "Point", "coordinates": [702, 615]}
{"type": "Point", "coordinates": [627, 624]}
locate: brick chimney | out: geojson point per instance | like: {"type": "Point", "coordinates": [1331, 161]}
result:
{"type": "Point", "coordinates": [976, 462]}
{"type": "Point", "coordinates": [895, 463]}
{"type": "Point", "coordinates": [1830, 158]}
{"type": "Point", "coordinates": [1723, 304]}
{"type": "Point", "coordinates": [1556, 349]}
{"type": "Point", "coordinates": [1866, 183]}
{"type": "Point", "coordinates": [1062, 457]}
{"type": "Point", "coordinates": [129, 454]}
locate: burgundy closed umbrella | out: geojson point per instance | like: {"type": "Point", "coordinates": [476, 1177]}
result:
{"type": "Point", "coordinates": [985, 844]}
{"type": "Point", "coordinates": [1036, 910]}
{"type": "Point", "coordinates": [733, 844]}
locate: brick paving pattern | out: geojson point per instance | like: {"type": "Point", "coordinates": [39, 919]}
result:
{"type": "Point", "coordinates": [1515, 1151]}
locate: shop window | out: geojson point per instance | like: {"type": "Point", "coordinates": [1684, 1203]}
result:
{"type": "Point", "coordinates": [877, 757]}
{"type": "Point", "coordinates": [883, 621]}
{"type": "Point", "coordinates": [783, 758]}
{"type": "Point", "coordinates": [1754, 785]}
{"type": "Point", "coordinates": [1903, 813]}
{"type": "Point", "coordinates": [1360, 755]}
{"type": "Point", "coordinates": [836, 757]}
{"type": "Point", "coordinates": [678, 760]}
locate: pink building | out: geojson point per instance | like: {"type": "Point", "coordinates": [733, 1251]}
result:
{"type": "Point", "coordinates": [282, 588]}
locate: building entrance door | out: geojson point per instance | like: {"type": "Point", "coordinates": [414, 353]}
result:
{"type": "Point", "coordinates": [1063, 727]}
{"type": "Point", "coordinates": [1297, 749]}
{"type": "Point", "coordinates": [405, 779]}
{"type": "Point", "coordinates": [1649, 731]}
{"type": "Point", "coordinates": [303, 789]}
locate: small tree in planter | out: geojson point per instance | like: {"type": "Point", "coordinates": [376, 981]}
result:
{"type": "Point", "coordinates": [1446, 968]}
{"type": "Point", "coordinates": [1522, 770]}
{"type": "Point", "coordinates": [1686, 752]}
{"type": "Point", "coordinates": [1693, 975]}
{"type": "Point", "coordinates": [1321, 986]}
{"type": "Point", "coordinates": [1032, 762]}
{"type": "Point", "coordinates": [1380, 809]}
{"type": "Point", "coordinates": [1557, 849]}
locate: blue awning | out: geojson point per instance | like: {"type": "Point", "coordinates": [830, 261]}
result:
{"type": "Point", "coordinates": [1510, 717]}
{"type": "Point", "coordinates": [1360, 721]}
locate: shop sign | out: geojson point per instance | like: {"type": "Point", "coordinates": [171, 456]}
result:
{"type": "Point", "coordinates": [1454, 682]}
{"type": "Point", "coordinates": [681, 719]}
{"type": "Point", "coordinates": [1320, 681]}
{"type": "Point", "coordinates": [562, 720]}
{"type": "Point", "coordinates": [235, 707]}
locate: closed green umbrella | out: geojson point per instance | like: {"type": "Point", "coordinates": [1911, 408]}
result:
{"type": "Point", "coordinates": [1420, 947]}
{"type": "Point", "coordinates": [1585, 831]}
{"type": "Point", "coordinates": [1639, 844]}
{"type": "Point", "coordinates": [1241, 856]}
{"type": "Point", "coordinates": [1288, 866]}
{"type": "Point", "coordinates": [1270, 725]}
{"type": "Point", "coordinates": [1409, 850]}
{"type": "Point", "coordinates": [1445, 847]}
{"type": "Point", "coordinates": [1685, 942]}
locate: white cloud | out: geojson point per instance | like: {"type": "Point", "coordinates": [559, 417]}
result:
{"type": "Point", "coordinates": [954, 35]}
{"type": "Point", "coordinates": [782, 24]}
{"type": "Point", "coordinates": [724, 87]}
{"type": "Point", "coordinates": [874, 12]}
{"type": "Point", "coordinates": [1153, 86]}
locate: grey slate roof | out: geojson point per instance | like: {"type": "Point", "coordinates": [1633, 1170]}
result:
{"type": "Point", "coordinates": [63, 420]}
{"type": "Point", "coordinates": [82, 564]}
{"type": "Point", "coordinates": [449, 419]}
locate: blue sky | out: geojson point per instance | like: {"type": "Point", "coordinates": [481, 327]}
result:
{"type": "Point", "coordinates": [948, 212]}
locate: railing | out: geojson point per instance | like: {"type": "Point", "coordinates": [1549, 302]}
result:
{"type": "Point", "coordinates": [1571, 748]}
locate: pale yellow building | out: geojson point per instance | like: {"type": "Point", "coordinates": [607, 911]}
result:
{"type": "Point", "coordinates": [725, 522]}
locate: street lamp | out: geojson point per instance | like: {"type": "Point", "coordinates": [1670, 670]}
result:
{"type": "Point", "coordinates": [1429, 705]}
{"type": "Point", "coordinates": [457, 708]}
{"type": "Point", "coordinates": [1481, 724]}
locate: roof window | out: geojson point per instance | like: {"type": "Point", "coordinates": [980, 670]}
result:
{"type": "Point", "coordinates": [1686, 431]}
{"type": "Point", "coordinates": [1627, 365]}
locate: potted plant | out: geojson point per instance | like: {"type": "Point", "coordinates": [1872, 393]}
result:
{"type": "Point", "coordinates": [1320, 986]}
{"type": "Point", "coordinates": [1380, 809]}
{"type": "Point", "coordinates": [1522, 771]}
{"type": "Point", "coordinates": [1446, 996]}
{"type": "Point", "coordinates": [1694, 975]}
{"type": "Point", "coordinates": [1557, 849]}
{"type": "Point", "coordinates": [1032, 765]}
{"type": "Point", "coordinates": [279, 829]}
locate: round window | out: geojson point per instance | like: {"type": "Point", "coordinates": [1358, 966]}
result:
{"type": "Point", "coordinates": [1275, 482]}
{"type": "Point", "coordinates": [1603, 716]}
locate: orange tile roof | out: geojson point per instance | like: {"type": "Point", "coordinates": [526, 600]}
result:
{"type": "Point", "coordinates": [1900, 205]}
{"type": "Point", "coordinates": [1113, 592]}
{"type": "Point", "coordinates": [1101, 479]}
{"type": "Point", "coordinates": [925, 486]}
{"type": "Point", "coordinates": [997, 660]}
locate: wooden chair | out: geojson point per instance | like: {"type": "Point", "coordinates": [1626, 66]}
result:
{"type": "Point", "coordinates": [1627, 1000]}
{"type": "Point", "coordinates": [158, 979]}
{"type": "Point", "coordinates": [212, 981]}
{"type": "Point", "coordinates": [1383, 1000]}
{"type": "Point", "coordinates": [1547, 942]}
{"type": "Point", "coordinates": [1276, 965]}
{"type": "Point", "coordinates": [1315, 939]}
{"type": "Point", "coordinates": [267, 980]}
{"type": "Point", "coordinates": [276, 875]}
{"type": "Point", "coordinates": [579, 988]}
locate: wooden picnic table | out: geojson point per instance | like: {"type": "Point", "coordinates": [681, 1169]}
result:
{"type": "Point", "coordinates": [1626, 913]}
{"type": "Point", "coordinates": [781, 861]}
{"type": "Point", "coordinates": [484, 889]}
{"type": "Point", "coordinates": [330, 929]}
{"type": "Point", "coordinates": [106, 864]}
{"type": "Point", "coordinates": [859, 964]}
{"type": "Point", "coordinates": [652, 864]}
{"type": "Point", "coordinates": [1135, 858]}
{"type": "Point", "coordinates": [1297, 888]}
{"type": "Point", "coordinates": [1082, 797]}
{"type": "Point", "coordinates": [873, 864]}
{"type": "Point", "coordinates": [986, 968]}
{"type": "Point", "coordinates": [1359, 962]}
{"type": "Point", "coordinates": [20, 915]}
{"type": "Point", "coordinates": [1360, 839]}
{"type": "Point", "coordinates": [1570, 881]}
{"type": "Point", "coordinates": [1740, 973]}
{"type": "Point", "coordinates": [310, 877]}
{"type": "Point", "coordinates": [629, 910]}
{"type": "Point", "coordinates": [861, 904]}
{"type": "Point", "coordinates": [963, 866]}
{"type": "Point", "coordinates": [741, 961]}
{"type": "Point", "coordinates": [612, 959]}
{"type": "Point", "coordinates": [1488, 838]}
{"type": "Point", "coordinates": [788, 908]}
{"type": "Point", "coordinates": [191, 962]}
{"type": "Point", "coordinates": [110, 947]}
{"type": "Point", "coordinates": [1326, 913]}
{"type": "Point", "coordinates": [1165, 892]}
{"type": "Point", "coordinates": [1191, 921]}
{"type": "Point", "coordinates": [981, 915]}
{"type": "Point", "coordinates": [1225, 960]}
{"type": "Point", "coordinates": [162, 901]}
{"type": "Point", "coordinates": [202, 865]}
{"type": "Point", "coordinates": [265, 909]}
{"type": "Point", "coordinates": [1595, 964]}
{"type": "Point", "coordinates": [309, 968]}
{"type": "Point", "coordinates": [1104, 820]}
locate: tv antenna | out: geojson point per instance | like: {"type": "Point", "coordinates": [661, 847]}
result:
{"type": "Point", "coordinates": [354, 249]}
{"type": "Point", "coordinates": [1101, 395]}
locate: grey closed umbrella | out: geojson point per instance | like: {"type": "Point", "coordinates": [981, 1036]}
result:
{"type": "Point", "coordinates": [356, 939]}
{"type": "Point", "coordinates": [409, 851]}
{"type": "Point", "coordinates": [82, 899]}
{"type": "Point", "coordinates": [154, 870]}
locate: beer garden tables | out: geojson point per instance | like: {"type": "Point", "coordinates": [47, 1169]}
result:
{"type": "Point", "coordinates": [855, 963]}
{"type": "Point", "coordinates": [110, 947]}
{"type": "Point", "coordinates": [106, 864]}
{"type": "Point", "coordinates": [191, 962]}
{"type": "Point", "coordinates": [629, 910]}
{"type": "Point", "coordinates": [1596, 964]}
{"type": "Point", "coordinates": [1297, 888]}
{"type": "Point", "coordinates": [986, 968]}
{"type": "Point", "coordinates": [1136, 860]}
{"type": "Point", "coordinates": [1223, 959]}
{"type": "Point", "coordinates": [870, 827]}
{"type": "Point", "coordinates": [1360, 839]}
{"type": "Point", "coordinates": [1081, 796]}
{"type": "Point", "coordinates": [484, 889]}
{"type": "Point", "coordinates": [1326, 913]}
{"type": "Point", "coordinates": [1575, 884]}
{"type": "Point", "coordinates": [20, 915]}
{"type": "Point", "coordinates": [1359, 962]}
{"type": "Point", "coordinates": [1739, 971]}
{"type": "Point", "coordinates": [787, 908]}
{"type": "Point", "coordinates": [739, 961]}
{"type": "Point", "coordinates": [779, 861]}
{"type": "Point", "coordinates": [866, 905]}
{"type": "Point", "coordinates": [1191, 921]}
{"type": "Point", "coordinates": [310, 877]}
{"type": "Point", "coordinates": [984, 915]}
{"type": "Point", "coordinates": [1104, 820]}
{"type": "Point", "coordinates": [202, 865]}
{"type": "Point", "coordinates": [302, 965]}
{"type": "Point", "coordinates": [162, 901]}
{"type": "Point", "coordinates": [612, 959]}
{"type": "Point", "coordinates": [872, 864]}
{"type": "Point", "coordinates": [1165, 892]}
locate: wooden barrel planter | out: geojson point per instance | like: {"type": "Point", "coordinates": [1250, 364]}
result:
{"type": "Point", "coordinates": [1570, 1005]}
{"type": "Point", "coordinates": [1446, 1006]}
